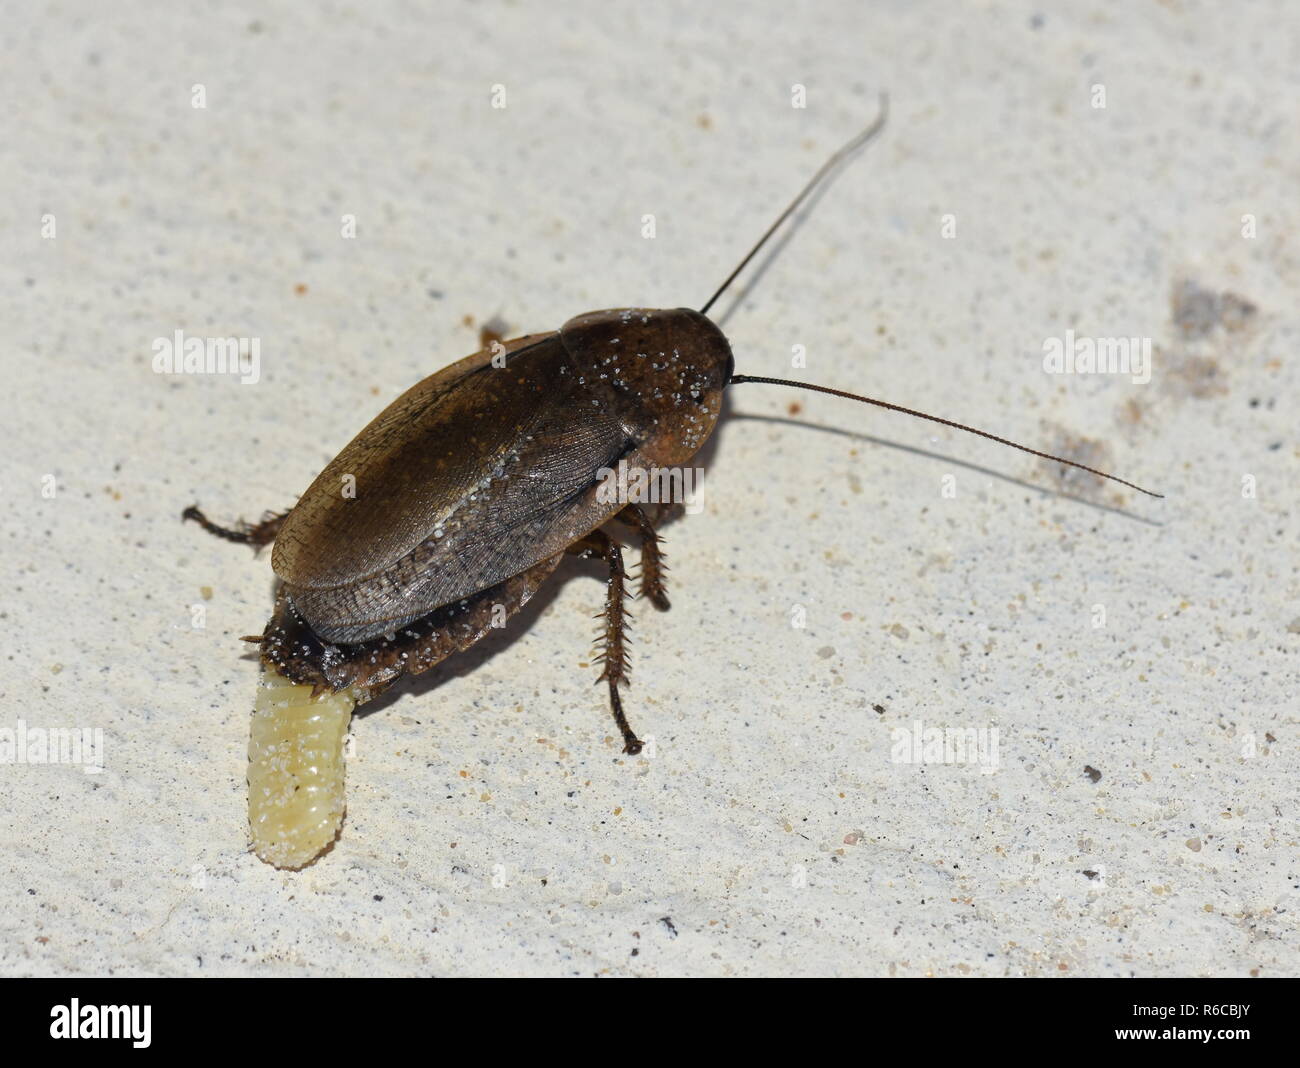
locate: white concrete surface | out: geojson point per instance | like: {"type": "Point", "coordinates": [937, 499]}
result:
{"type": "Point", "coordinates": [493, 825]}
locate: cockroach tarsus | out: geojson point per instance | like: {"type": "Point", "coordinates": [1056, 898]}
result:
{"type": "Point", "coordinates": [472, 485]}
{"type": "Point", "coordinates": [257, 534]}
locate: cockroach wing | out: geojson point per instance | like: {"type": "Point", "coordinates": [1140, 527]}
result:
{"type": "Point", "coordinates": [470, 477]}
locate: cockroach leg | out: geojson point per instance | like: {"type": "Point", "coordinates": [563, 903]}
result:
{"type": "Point", "coordinates": [652, 556]}
{"type": "Point", "coordinates": [492, 332]}
{"type": "Point", "coordinates": [255, 534]}
{"type": "Point", "coordinates": [600, 545]}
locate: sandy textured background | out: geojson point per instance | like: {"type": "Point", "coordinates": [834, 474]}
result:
{"type": "Point", "coordinates": [494, 827]}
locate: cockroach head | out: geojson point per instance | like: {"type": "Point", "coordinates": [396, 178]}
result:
{"type": "Point", "coordinates": [668, 367]}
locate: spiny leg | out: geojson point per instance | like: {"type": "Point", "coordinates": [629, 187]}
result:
{"type": "Point", "coordinates": [255, 534]}
{"type": "Point", "coordinates": [652, 556]}
{"type": "Point", "coordinates": [615, 652]}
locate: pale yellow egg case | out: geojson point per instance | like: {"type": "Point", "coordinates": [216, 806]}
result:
{"type": "Point", "coordinates": [296, 797]}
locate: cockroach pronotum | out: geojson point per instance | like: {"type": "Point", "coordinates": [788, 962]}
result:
{"type": "Point", "coordinates": [468, 490]}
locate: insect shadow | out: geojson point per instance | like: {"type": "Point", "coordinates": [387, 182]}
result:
{"type": "Point", "coordinates": [948, 460]}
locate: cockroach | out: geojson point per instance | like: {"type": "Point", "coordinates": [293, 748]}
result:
{"type": "Point", "coordinates": [467, 491]}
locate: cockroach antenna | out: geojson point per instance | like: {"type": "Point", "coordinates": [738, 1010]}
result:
{"type": "Point", "coordinates": [945, 422]}
{"type": "Point", "coordinates": [861, 139]}
{"type": "Point", "coordinates": [866, 135]}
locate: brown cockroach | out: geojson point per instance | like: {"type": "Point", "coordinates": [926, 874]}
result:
{"type": "Point", "coordinates": [472, 485]}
